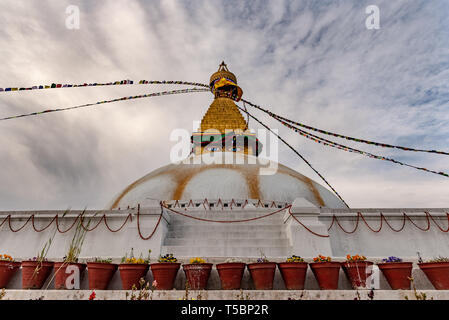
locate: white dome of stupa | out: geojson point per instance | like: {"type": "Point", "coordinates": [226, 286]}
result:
{"type": "Point", "coordinates": [196, 178]}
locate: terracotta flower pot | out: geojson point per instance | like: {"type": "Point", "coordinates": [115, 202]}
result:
{"type": "Point", "coordinates": [131, 273]}
{"type": "Point", "coordinates": [197, 275]}
{"type": "Point", "coordinates": [356, 271]}
{"type": "Point", "coordinates": [397, 274]}
{"type": "Point", "coordinates": [32, 279]}
{"type": "Point", "coordinates": [262, 274]}
{"type": "Point", "coordinates": [437, 273]}
{"type": "Point", "coordinates": [61, 275]}
{"type": "Point", "coordinates": [7, 270]}
{"type": "Point", "coordinates": [327, 274]}
{"type": "Point", "coordinates": [293, 274]}
{"type": "Point", "coordinates": [165, 274]}
{"type": "Point", "coordinates": [231, 275]}
{"type": "Point", "coordinates": [100, 274]}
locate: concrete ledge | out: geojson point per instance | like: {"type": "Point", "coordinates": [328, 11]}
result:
{"type": "Point", "coordinates": [227, 294]}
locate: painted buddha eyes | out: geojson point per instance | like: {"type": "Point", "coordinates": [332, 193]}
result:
{"type": "Point", "coordinates": [217, 149]}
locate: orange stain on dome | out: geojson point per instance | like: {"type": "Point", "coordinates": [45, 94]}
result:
{"type": "Point", "coordinates": [183, 174]}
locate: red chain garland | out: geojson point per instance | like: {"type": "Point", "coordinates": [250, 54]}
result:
{"type": "Point", "coordinates": [312, 232]}
{"type": "Point", "coordinates": [225, 221]}
{"type": "Point", "coordinates": [447, 216]}
{"type": "Point", "coordinates": [128, 217]}
{"type": "Point", "coordinates": [55, 219]}
{"type": "Point", "coordinates": [405, 217]}
{"type": "Point", "coordinates": [157, 224]}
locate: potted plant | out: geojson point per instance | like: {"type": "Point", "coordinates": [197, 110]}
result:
{"type": "Point", "coordinates": [165, 271]}
{"type": "Point", "coordinates": [326, 272]}
{"type": "Point", "coordinates": [197, 273]}
{"type": "Point", "coordinates": [72, 256]}
{"type": "Point", "coordinates": [36, 271]}
{"type": "Point", "coordinates": [357, 269]}
{"type": "Point", "coordinates": [231, 273]}
{"type": "Point", "coordinates": [100, 272]}
{"type": "Point", "coordinates": [8, 267]}
{"type": "Point", "coordinates": [437, 271]}
{"type": "Point", "coordinates": [262, 273]}
{"type": "Point", "coordinates": [397, 272]}
{"type": "Point", "coordinates": [293, 272]}
{"type": "Point", "coordinates": [133, 269]}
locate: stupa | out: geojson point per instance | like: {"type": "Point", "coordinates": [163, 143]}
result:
{"type": "Point", "coordinates": [223, 130]}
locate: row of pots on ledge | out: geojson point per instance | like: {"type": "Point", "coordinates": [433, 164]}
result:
{"type": "Point", "coordinates": [293, 271]}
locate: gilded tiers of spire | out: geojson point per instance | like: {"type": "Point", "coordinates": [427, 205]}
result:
{"type": "Point", "coordinates": [223, 115]}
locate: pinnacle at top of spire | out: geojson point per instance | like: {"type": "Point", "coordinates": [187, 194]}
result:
{"type": "Point", "coordinates": [223, 66]}
{"type": "Point", "coordinates": [222, 72]}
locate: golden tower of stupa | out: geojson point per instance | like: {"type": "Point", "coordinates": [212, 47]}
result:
{"type": "Point", "coordinates": [223, 127]}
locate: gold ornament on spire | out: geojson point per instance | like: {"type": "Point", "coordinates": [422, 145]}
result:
{"type": "Point", "coordinates": [223, 127]}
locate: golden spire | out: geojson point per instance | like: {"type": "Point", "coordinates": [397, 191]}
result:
{"type": "Point", "coordinates": [223, 114]}
{"type": "Point", "coordinates": [223, 127]}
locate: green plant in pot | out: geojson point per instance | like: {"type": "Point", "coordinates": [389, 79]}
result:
{"type": "Point", "coordinates": [231, 273]}
{"type": "Point", "coordinates": [70, 260]}
{"type": "Point", "coordinates": [437, 271]}
{"type": "Point", "coordinates": [36, 271]}
{"type": "Point", "coordinates": [100, 272]}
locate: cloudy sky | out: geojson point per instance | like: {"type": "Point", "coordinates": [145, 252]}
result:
{"type": "Point", "coordinates": [311, 61]}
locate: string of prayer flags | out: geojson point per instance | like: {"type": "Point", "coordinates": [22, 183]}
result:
{"type": "Point", "coordinates": [156, 94]}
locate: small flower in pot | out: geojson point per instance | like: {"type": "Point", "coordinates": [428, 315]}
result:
{"type": "Point", "coordinates": [6, 257]}
{"type": "Point", "coordinates": [293, 272]}
{"type": "Point", "coordinates": [391, 259]}
{"type": "Point", "coordinates": [262, 272]}
{"type": "Point", "coordinates": [357, 269]}
{"type": "Point", "coordinates": [356, 258]}
{"type": "Point", "coordinates": [132, 269]}
{"type": "Point", "coordinates": [321, 258]}
{"type": "Point", "coordinates": [294, 258]}
{"type": "Point", "coordinates": [197, 260]}
{"type": "Point", "coordinates": [168, 258]}
{"type": "Point", "coordinates": [8, 267]}
{"type": "Point", "coordinates": [397, 272]}
{"type": "Point", "coordinates": [197, 273]}
{"type": "Point", "coordinates": [165, 271]}
{"type": "Point", "coordinates": [326, 272]}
